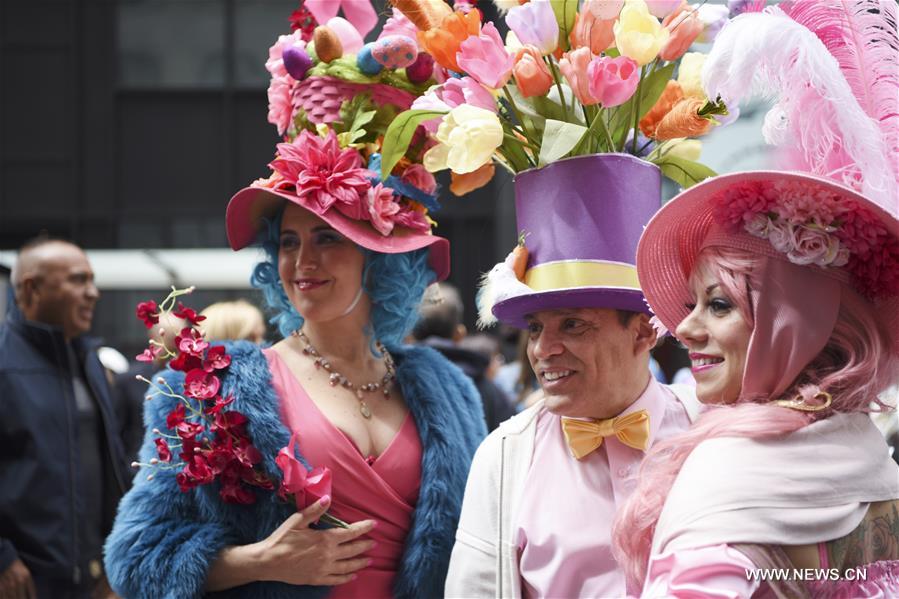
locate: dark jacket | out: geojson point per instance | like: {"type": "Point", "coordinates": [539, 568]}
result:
{"type": "Point", "coordinates": [164, 541]}
{"type": "Point", "coordinates": [498, 407]}
{"type": "Point", "coordinates": [39, 474]}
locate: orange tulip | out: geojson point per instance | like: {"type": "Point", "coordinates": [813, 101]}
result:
{"type": "Point", "coordinates": [684, 27]}
{"type": "Point", "coordinates": [443, 42]}
{"type": "Point", "coordinates": [532, 77]}
{"type": "Point", "coordinates": [683, 121]}
{"type": "Point", "coordinates": [671, 96]}
{"type": "Point", "coordinates": [594, 33]}
{"type": "Point", "coordinates": [468, 182]}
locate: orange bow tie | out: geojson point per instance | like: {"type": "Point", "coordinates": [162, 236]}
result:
{"type": "Point", "coordinates": [584, 436]}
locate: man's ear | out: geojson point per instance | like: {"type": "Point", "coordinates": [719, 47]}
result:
{"type": "Point", "coordinates": [644, 334]}
{"type": "Point", "coordinates": [26, 290]}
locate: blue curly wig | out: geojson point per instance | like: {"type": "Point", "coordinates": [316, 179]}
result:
{"type": "Point", "coordinates": [394, 284]}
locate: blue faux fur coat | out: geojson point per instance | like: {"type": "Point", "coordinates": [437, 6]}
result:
{"type": "Point", "coordinates": [164, 541]}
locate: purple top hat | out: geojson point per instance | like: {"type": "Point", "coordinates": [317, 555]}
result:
{"type": "Point", "coordinates": [582, 218]}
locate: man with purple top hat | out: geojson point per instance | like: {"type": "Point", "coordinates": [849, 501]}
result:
{"type": "Point", "coordinates": [544, 487]}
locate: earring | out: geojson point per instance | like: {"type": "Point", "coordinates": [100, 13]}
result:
{"type": "Point", "coordinates": [798, 403]}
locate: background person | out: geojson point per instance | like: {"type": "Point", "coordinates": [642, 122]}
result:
{"type": "Point", "coordinates": [233, 321]}
{"type": "Point", "coordinates": [62, 467]}
{"type": "Point", "coordinates": [441, 327]}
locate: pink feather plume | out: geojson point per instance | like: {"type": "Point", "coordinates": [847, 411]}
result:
{"type": "Point", "coordinates": [831, 66]}
{"type": "Point", "coordinates": [862, 36]}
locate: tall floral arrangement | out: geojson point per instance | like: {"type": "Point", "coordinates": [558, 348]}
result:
{"type": "Point", "coordinates": [332, 97]}
{"type": "Point", "coordinates": [571, 78]}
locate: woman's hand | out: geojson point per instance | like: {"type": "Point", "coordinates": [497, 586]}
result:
{"type": "Point", "coordinates": [296, 554]}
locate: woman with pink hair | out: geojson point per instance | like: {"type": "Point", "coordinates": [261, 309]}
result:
{"type": "Point", "coordinates": [784, 287]}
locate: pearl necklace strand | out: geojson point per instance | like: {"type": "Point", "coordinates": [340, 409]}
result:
{"type": "Point", "coordinates": [335, 378]}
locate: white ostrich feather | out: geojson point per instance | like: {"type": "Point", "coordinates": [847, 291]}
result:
{"type": "Point", "coordinates": [816, 115]}
{"type": "Point", "coordinates": [496, 286]}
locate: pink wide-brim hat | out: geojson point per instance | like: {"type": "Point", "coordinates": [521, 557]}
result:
{"type": "Point", "coordinates": [250, 206]}
{"type": "Point", "coordinates": [667, 250]}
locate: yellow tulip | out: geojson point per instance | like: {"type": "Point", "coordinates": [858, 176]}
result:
{"type": "Point", "coordinates": [468, 137]}
{"type": "Point", "coordinates": [639, 35]}
{"type": "Point", "coordinates": [688, 149]}
{"type": "Point", "coordinates": [689, 75]}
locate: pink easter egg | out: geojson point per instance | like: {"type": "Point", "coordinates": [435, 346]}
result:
{"type": "Point", "coordinates": [395, 51]}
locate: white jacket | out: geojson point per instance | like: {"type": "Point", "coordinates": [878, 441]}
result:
{"type": "Point", "coordinates": [484, 562]}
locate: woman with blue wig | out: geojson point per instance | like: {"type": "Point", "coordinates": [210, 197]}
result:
{"type": "Point", "coordinates": [348, 258]}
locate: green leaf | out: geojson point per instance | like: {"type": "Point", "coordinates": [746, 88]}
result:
{"type": "Point", "coordinates": [566, 11]}
{"type": "Point", "coordinates": [559, 138]}
{"type": "Point", "coordinates": [652, 87]}
{"type": "Point", "coordinates": [399, 135]}
{"type": "Point", "coordinates": [685, 173]}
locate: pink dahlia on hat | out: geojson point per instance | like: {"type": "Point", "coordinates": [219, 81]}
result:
{"type": "Point", "coordinates": [827, 233]}
{"type": "Point", "coordinates": [332, 98]}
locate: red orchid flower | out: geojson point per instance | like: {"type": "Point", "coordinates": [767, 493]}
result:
{"type": "Point", "coordinates": [216, 359]}
{"type": "Point", "coordinates": [163, 451]}
{"type": "Point", "coordinates": [200, 384]}
{"type": "Point", "coordinates": [188, 314]}
{"type": "Point", "coordinates": [148, 312]}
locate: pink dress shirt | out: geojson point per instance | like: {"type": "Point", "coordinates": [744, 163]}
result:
{"type": "Point", "coordinates": [563, 526]}
{"type": "Point", "coordinates": [382, 488]}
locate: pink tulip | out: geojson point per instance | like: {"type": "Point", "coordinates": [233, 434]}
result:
{"type": "Point", "coordinates": [532, 77]}
{"type": "Point", "coordinates": [663, 8]}
{"type": "Point", "coordinates": [684, 26]}
{"type": "Point", "coordinates": [589, 31]}
{"type": "Point", "coordinates": [535, 24]}
{"type": "Point", "coordinates": [484, 57]}
{"type": "Point", "coordinates": [613, 80]}
{"type": "Point", "coordinates": [574, 66]}
{"type": "Point", "coordinates": [466, 91]}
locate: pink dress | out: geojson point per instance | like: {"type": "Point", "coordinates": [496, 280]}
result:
{"type": "Point", "coordinates": [382, 488]}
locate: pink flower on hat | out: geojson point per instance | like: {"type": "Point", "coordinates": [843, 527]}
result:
{"type": "Point", "coordinates": [320, 171]}
{"type": "Point", "coordinates": [418, 176]}
{"type": "Point", "coordinates": [382, 208]}
{"type": "Point", "coordinates": [413, 219]}
{"type": "Point", "coordinates": [280, 109]}
{"type": "Point", "coordinates": [275, 62]}
{"type": "Point", "coordinates": [815, 226]}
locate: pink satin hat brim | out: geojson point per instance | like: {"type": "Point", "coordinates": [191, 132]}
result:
{"type": "Point", "coordinates": [671, 241]}
{"type": "Point", "coordinates": [249, 206]}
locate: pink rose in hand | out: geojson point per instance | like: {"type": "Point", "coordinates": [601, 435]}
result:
{"type": "Point", "coordinates": [613, 81]}
{"type": "Point", "coordinates": [307, 486]}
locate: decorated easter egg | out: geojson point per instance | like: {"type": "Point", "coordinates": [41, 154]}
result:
{"type": "Point", "coordinates": [422, 69]}
{"type": "Point", "coordinates": [327, 44]}
{"type": "Point", "coordinates": [296, 61]}
{"type": "Point", "coordinates": [366, 62]}
{"type": "Point", "coordinates": [395, 51]}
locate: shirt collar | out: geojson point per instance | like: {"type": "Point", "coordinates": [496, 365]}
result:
{"type": "Point", "coordinates": [652, 400]}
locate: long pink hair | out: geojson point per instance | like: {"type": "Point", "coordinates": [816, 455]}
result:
{"type": "Point", "coordinates": [853, 367]}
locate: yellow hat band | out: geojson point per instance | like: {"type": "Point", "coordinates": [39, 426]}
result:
{"type": "Point", "coordinates": [581, 273]}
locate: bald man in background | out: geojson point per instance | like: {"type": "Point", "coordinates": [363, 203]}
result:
{"type": "Point", "coordinates": [62, 466]}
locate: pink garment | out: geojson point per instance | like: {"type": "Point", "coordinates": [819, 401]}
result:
{"type": "Point", "coordinates": [721, 571]}
{"type": "Point", "coordinates": [563, 526]}
{"type": "Point", "coordinates": [383, 488]}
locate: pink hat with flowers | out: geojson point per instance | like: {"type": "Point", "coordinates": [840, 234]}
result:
{"type": "Point", "coordinates": [333, 97]}
{"type": "Point", "coordinates": [826, 236]}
